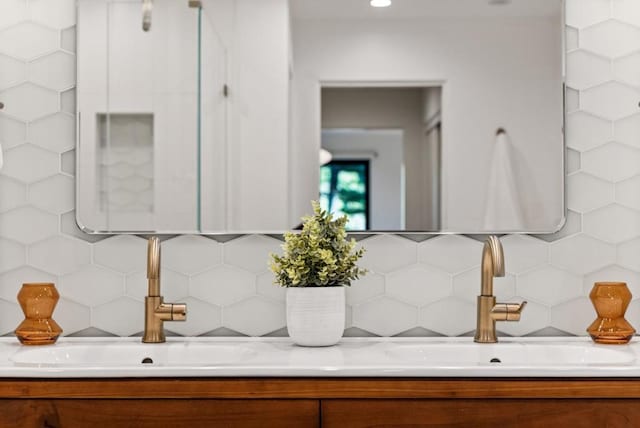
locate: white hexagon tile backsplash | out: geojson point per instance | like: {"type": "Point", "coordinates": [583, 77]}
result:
{"type": "Point", "coordinates": [414, 288]}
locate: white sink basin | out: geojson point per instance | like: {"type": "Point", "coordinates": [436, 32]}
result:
{"type": "Point", "coordinates": [352, 357]}
{"type": "Point", "coordinates": [133, 354]}
{"type": "Point", "coordinates": [514, 354]}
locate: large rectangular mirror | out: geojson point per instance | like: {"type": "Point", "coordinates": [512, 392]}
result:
{"type": "Point", "coordinates": [230, 116]}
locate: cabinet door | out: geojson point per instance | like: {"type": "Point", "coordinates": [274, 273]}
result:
{"type": "Point", "coordinates": [480, 413]}
{"type": "Point", "coordinates": [26, 413]}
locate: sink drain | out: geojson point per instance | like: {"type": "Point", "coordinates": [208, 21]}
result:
{"type": "Point", "coordinates": [495, 360]}
{"type": "Point", "coordinates": [147, 360]}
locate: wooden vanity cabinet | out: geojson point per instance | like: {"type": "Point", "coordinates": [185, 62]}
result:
{"type": "Point", "coordinates": [319, 402]}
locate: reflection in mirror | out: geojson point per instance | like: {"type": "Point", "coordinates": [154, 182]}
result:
{"type": "Point", "coordinates": [231, 102]}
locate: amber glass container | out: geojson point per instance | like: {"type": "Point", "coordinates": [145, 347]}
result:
{"type": "Point", "coordinates": [610, 300]}
{"type": "Point", "coordinates": [38, 301]}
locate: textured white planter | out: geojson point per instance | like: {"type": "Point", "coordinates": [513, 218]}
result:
{"type": "Point", "coordinates": [315, 315]}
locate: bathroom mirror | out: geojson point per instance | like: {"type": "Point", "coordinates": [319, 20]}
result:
{"type": "Point", "coordinates": [230, 116]}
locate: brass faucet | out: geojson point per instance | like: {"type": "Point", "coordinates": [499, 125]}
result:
{"type": "Point", "coordinates": [156, 312]}
{"type": "Point", "coordinates": [488, 310]}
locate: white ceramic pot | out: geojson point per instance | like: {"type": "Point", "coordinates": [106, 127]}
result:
{"type": "Point", "coordinates": [315, 315]}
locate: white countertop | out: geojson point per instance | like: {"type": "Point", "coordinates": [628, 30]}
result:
{"type": "Point", "coordinates": [352, 357]}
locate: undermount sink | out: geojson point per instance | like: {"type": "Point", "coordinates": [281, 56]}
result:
{"type": "Point", "coordinates": [174, 354]}
{"type": "Point", "coordinates": [513, 354]}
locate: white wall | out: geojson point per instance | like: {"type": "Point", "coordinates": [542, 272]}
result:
{"type": "Point", "coordinates": [495, 73]}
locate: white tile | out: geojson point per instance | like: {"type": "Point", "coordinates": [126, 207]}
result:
{"type": "Point", "coordinates": [56, 133]}
{"type": "Point", "coordinates": [10, 316]}
{"type": "Point", "coordinates": [242, 316]}
{"type": "Point", "coordinates": [585, 69]}
{"type": "Point", "coordinates": [574, 316]}
{"type": "Point", "coordinates": [418, 285]}
{"type": "Point", "coordinates": [367, 287]}
{"type": "Point", "coordinates": [573, 161]}
{"type": "Point", "coordinates": [585, 131]}
{"type": "Point", "coordinates": [612, 162]}
{"type": "Point", "coordinates": [627, 69]}
{"type": "Point", "coordinates": [12, 255]}
{"type": "Point", "coordinates": [267, 288]}
{"type": "Point", "coordinates": [571, 38]}
{"type": "Point", "coordinates": [582, 254]}
{"type": "Point", "coordinates": [11, 282]}
{"type": "Point", "coordinates": [191, 254]}
{"type": "Point", "coordinates": [629, 254]}
{"type": "Point", "coordinates": [628, 193]}
{"type": "Point", "coordinates": [55, 14]}
{"type": "Point", "coordinates": [55, 194]}
{"type": "Point", "coordinates": [12, 194]}
{"type": "Point", "coordinates": [627, 130]}
{"type": "Point", "coordinates": [13, 72]}
{"type": "Point", "coordinates": [582, 13]}
{"type": "Point", "coordinates": [71, 316]}
{"type": "Point", "coordinates": [385, 253]}
{"type": "Point", "coordinates": [56, 71]}
{"type": "Point", "coordinates": [611, 38]}
{"type": "Point", "coordinates": [12, 132]}
{"type": "Point", "coordinates": [611, 100]}
{"type": "Point", "coordinates": [549, 286]}
{"type": "Point", "coordinates": [522, 253]}
{"type": "Point", "coordinates": [29, 163]}
{"type": "Point", "coordinates": [626, 11]}
{"type": "Point", "coordinates": [586, 192]}
{"type": "Point", "coordinates": [612, 223]}
{"type": "Point", "coordinates": [384, 316]}
{"type": "Point", "coordinates": [613, 274]}
{"type": "Point", "coordinates": [92, 286]}
{"type": "Point", "coordinates": [122, 317]}
{"type": "Point", "coordinates": [466, 286]}
{"type": "Point", "coordinates": [173, 286]}
{"type": "Point", "coordinates": [28, 225]}
{"type": "Point", "coordinates": [59, 255]}
{"type": "Point", "coordinates": [28, 101]}
{"type": "Point", "coordinates": [534, 317]}
{"type": "Point", "coordinates": [124, 253]}
{"type": "Point", "coordinates": [12, 12]}
{"type": "Point", "coordinates": [68, 39]}
{"type": "Point", "coordinates": [251, 252]}
{"type": "Point", "coordinates": [223, 285]}
{"type": "Point", "coordinates": [572, 100]}
{"type": "Point", "coordinates": [68, 101]}
{"type": "Point", "coordinates": [68, 162]}
{"type": "Point", "coordinates": [27, 40]}
{"type": "Point", "coordinates": [439, 317]}
{"type": "Point", "coordinates": [201, 318]}
{"type": "Point", "coordinates": [451, 253]}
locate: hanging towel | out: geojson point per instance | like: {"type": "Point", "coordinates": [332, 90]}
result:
{"type": "Point", "coordinates": [503, 211]}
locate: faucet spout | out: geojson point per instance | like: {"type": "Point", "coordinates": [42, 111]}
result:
{"type": "Point", "coordinates": [155, 310]}
{"type": "Point", "coordinates": [488, 311]}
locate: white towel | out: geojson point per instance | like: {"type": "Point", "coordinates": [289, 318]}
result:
{"type": "Point", "coordinates": [503, 210]}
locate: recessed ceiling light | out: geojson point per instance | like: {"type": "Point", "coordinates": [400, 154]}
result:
{"type": "Point", "coordinates": [380, 3]}
{"type": "Point", "coordinates": [499, 2]}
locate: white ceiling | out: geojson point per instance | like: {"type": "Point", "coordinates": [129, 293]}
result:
{"type": "Point", "coordinates": [403, 9]}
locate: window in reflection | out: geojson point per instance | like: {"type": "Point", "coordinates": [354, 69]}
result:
{"type": "Point", "coordinates": [344, 190]}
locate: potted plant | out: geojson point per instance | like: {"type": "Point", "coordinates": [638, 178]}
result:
{"type": "Point", "coordinates": [316, 265]}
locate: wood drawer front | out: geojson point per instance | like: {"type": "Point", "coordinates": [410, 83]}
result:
{"type": "Point", "coordinates": [156, 413]}
{"type": "Point", "coordinates": [482, 413]}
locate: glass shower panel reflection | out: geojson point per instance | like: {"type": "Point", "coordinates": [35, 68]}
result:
{"type": "Point", "coordinates": [139, 106]}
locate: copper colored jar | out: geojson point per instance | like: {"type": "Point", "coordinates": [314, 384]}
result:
{"type": "Point", "coordinates": [38, 301]}
{"type": "Point", "coordinates": [610, 300]}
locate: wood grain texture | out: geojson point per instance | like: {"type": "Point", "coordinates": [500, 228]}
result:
{"type": "Point", "coordinates": [503, 413]}
{"type": "Point", "coordinates": [320, 388]}
{"type": "Point", "coordinates": [158, 413]}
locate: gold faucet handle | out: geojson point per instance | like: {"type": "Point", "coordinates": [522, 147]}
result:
{"type": "Point", "coordinates": [507, 311]}
{"type": "Point", "coordinates": [153, 258]}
